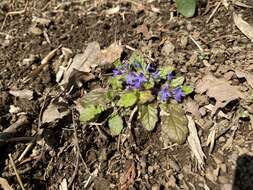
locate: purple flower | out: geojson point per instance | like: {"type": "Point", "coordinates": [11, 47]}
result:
{"type": "Point", "coordinates": [150, 68]}
{"type": "Point", "coordinates": [136, 64]}
{"type": "Point", "coordinates": [156, 74]}
{"type": "Point", "coordinates": [164, 93]}
{"type": "Point", "coordinates": [119, 70]}
{"type": "Point", "coordinates": [134, 80]}
{"type": "Point", "coordinates": [178, 94]}
{"type": "Point", "coordinates": [116, 72]}
{"type": "Point", "coordinates": [139, 80]}
{"type": "Point", "coordinates": [130, 78]}
{"type": "Point", "coordinates": [170, 76]}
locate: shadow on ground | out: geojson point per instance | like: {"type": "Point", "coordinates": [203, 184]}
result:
{"type": "Point", "coordinates": [243, 179]}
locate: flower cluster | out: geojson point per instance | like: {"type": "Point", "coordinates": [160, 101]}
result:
{"type": "Point", "coordinates": [136, 75]}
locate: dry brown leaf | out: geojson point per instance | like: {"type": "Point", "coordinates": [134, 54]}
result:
{"type": "Point", "coordinates": [110, 54]}
{"type": "Point", "coordinates": [194, 143]}
{"type": "Point", "coordinates": [246, 75]}
{"type": "Point", "coordinates": [193, 108]}
{"type": "Point", "coordinates": [144, 30]}
{"type": "Point", "coordinates": [52, 113]}
{"type": "Point", "coordinates": [219, 89]}
{"type": "Point", "coordinates": [24, 94]}
{"type": "Point", "coordinates": [91, 58]}
{"type": "Point", "coordinates": [128, 177]}
{"type": "Point", "coordinates": [245, 28]}
{"type": "Point", "coordinates": [4, 184]}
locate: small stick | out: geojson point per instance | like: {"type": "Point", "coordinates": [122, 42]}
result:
{"type": "Point", "coordinates": [131, 117]}
{"type": "Point", "coordinates": [13, 14]}
{"type": "Point", "coordinates": [44, 62]}
{"type": "Point", "coordinates": [16, 172]}
{"type": "Point", "coordinates": [214, 11]}
{"type": "Point", "coordinates": [77, 154]}
{"type": "Point", "coordinates": [196, 43]}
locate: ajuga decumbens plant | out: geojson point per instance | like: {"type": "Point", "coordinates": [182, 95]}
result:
{"type": "Point", "coordinates": [154, 93]}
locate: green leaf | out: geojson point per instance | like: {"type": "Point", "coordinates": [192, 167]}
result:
{"type": "Point", "coordinates": [177, 81]}
{"type": "Point", "coordinates": [137, 57]}
{"type": "Point", "coordinates": [127, 99]}
{"type": "Point", "coordinates": [96, 97]}
{"type": "Point", "coordinates": [116, 82]}
{"type": "Point", "coordinates": [186, 7]}
{"type": "Point", "coordinates": [187, 89]}
{"type": "Point", "coordinates": [164, 71]}
{"type": "Point", "coordinates": [117, 63]}
{"type": "Point", "coordinates": [150, 84]}
{"type": "Point", "coordinates": [148, 116]}
{"type": "Point", "coordinates": [116, 125]}
{"type": "Point", "coordinates": [174, 123]}
{"type": "Point", "coordinates": [90, 112]}
{"type": "Point", "coordinates": [145, 96]}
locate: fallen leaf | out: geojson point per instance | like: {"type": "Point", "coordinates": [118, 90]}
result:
{"type": "Point", "coordinates": [83, 62]}
{"type": "Point", "coordinates": [110, 54]}
{"type": "Point", "coordinates": [174, 124]}
{"type": "Point", "coordinates": [219, 89]}
{"type": "Point", "coordinates": [4, 184]}
{"type": "Point", "coordinates": [245, 28]}
{"type": "Point", "coordinates": [52, 113]}
{"type": "Point", "coordinates": [193, 108]}
{"type": "Point", "coordinates": [63, 185]}
{"type": "Point", "coordinates": [24, 94]}
{"type": "Point", "coordinates": [92, 57]}
{"type": "Point", "coordinates": [194, 143]}
{"type": "Point", "coordinates": [246, 75]}
{"type": "Point", "coordinates": [128, 177]}
{"type": "Point", "coordinates": [143, 29]}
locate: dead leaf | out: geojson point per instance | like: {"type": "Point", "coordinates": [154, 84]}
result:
{"type": "Point", "coordinates": [193, 108]}
{"type": "Point", "coordinates": [143, 29]}
{"type": "Point", "coordinates": [245, 28]}
{"type": "Point", "coordinates": [194, 143]}
{"type": "Point", "coordinates": [53, 113]}
{"type": "Point", "coordinates": [219, 89]}
{"type": "Point", "coordinates": [63, 185]}
{"type": "Point", "coordinates": [110, 54]}
{"type": "Point", "coordinates": [246, 75]}
{"type": "Point", "coordinates": [24, 94]}
{"type": "Point", "coordinates": [113, 10]}
{"type": "Point", "coordinates": [128, 177]}
{"type": "Point", "coordinates": [91, 58]}
{"type": "Point", "coordinates": [4, 184]}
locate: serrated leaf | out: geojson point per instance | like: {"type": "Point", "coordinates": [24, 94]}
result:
{"type": "Point", "coordinates": [174, 123]}
{"type": "Point", "coordinates": [117, 63]}
{"type": "Point", "coordinates": [145, 96]}
{"type": "Point", "coordinates": [186, 7]}
{"type": "Point", "coordinates": [148, 116]}
{"type": "Point", "coordinates": [116, 125]}
{"type": "Point", "coordinates": [150, 84]}
{"type": "Point", "coordinates": [96, 97]}
{"type": "Point", "coordinates": [187, 89]}
{"type": "Point", "coordinates": [137, 57]}
{"type": "Point", "coordinates": [90, 112]}
{"type": "Point", "coordinates": [127, 99]}
{"type": "Point", "coordinates": [164, 71]}
{"type": "Point", "coordinates": [177, 81]}
{"type": "Point", "coordinates": [116, 82]}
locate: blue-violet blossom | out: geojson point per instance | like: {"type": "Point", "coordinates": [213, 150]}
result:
{"type": "Point", "coordinates": [170, 76]}
{"type": "Point", "coordinates": [135, 80]}
{"type": "Point", "coordinates": [164, 93]}
{"type": "Point", "coordinates": [178, 94]}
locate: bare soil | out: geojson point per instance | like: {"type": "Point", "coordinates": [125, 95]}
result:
{"type": "Point", "coordinates": [115, 162]}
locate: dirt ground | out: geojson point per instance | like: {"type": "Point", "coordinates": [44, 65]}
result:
{"type": "Point", "coordinates": [107, 162]}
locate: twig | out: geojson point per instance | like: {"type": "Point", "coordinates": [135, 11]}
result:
{"type": "Point", "coordinates": [44, 62]}
{"type": "Point", "coordinates": [16, 172]}
{"type": "Point", "coordinates": [77, 154]}
{"type": "Point", "coordinates": [131, 117]}
{"type": "Point", "coordinates": [196, 43]}
{"type": "Point", "coordinates": [13, 13]}
{"type": "Point", "coordinates": [27, 149]}
{"type": "Point", "coordinates": [214, 11]}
